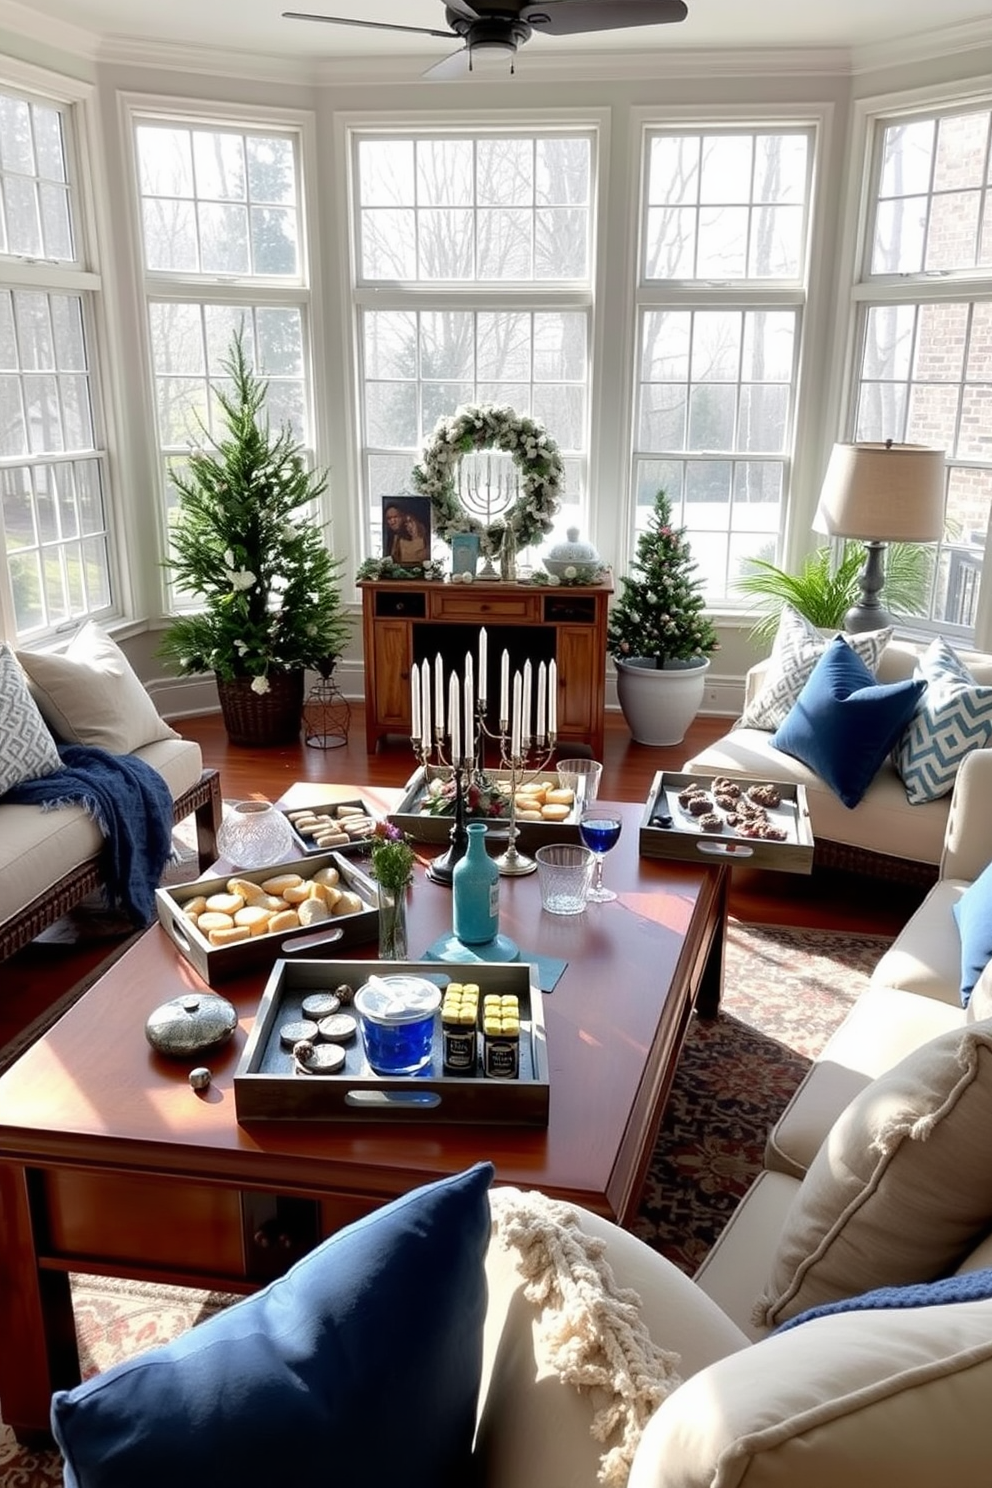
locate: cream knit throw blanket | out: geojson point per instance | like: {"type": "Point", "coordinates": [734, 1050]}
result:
{"type": "Point", "coordinates": [592, 1328]}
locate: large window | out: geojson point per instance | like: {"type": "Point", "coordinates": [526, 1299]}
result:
{"type": "Point", "coordinates": [473, 284]}
{"type": "Point", "coordinates": [721, 290]}
{"type": "Point", "coordinates": [53, 500]}
{"type": "Point", "coordinates": [222, 243]}
{"type": "Point", "coordinates": [923, 371]}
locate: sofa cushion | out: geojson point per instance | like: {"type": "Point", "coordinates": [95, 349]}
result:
{"type": "Point", "coordinates": [27, 749]}
{"type": "Point", "coordinates": [953, 717]}
{"type": "Point", "coordinates": [797, 647]}
{"type": "Point", "coordinates": [902, 1187]}
{"type": "Point", "coordinates": [883, 822]}
{"type": "Point", "coordinates": [925, 956]}
{"type": "Point", "coordinates": [885, 1025]}
{"type": "Point", "coordinates": [361, 1366]}
{"type": "Point", "coordinates": [980, 1002]}
{"type": "Point", "coordinates": [973, 915]}
{"type": "Point", "coordinates": [89, 694]}
{"type": "Point", "coordinates": [862, 1399]}
{"type": "Point", "coordinates": [844, 723]}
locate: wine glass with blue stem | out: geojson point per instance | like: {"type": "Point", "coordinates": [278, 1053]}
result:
{"type": "Point", "coordinates": [599, 828]}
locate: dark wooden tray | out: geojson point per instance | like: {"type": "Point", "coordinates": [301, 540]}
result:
{"type": "Point", "coordinates": [685, 841]}
{"type": "Point", "coordinates": [268, 1088]}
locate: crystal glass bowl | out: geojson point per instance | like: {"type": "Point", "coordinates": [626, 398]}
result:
{"type": "Point", "coordinates": [254, 834]}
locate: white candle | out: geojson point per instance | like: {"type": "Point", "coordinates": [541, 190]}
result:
{"type": "Point", "coordinates": [425, 697]}
{"type": "Point", "coordinates": [469, 722]}
{"type": "Point", "coordinates": [517, 712]}
{"type": "Point", "coordinates": [438, 694]}
{"type": "Point", "coordinates": [483, 666]}
{"type": "Point", "coordinates": [415, 724]}
{"type": "Point", "coordinates": [542, 697]}
{"type": "Point", "coordinates": [553, 699]}
{"type": "Point", "coordinates": [504, 691]}
{"type": "Point", "coordinates": [526, 735]}
{"type": "Point", "coordinates": [454, 721]}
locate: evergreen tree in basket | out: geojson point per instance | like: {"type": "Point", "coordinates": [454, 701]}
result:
{"type": "Point", "coordinates": [245, 543]}
{"type": "Point", "coordinates": [660, 610]}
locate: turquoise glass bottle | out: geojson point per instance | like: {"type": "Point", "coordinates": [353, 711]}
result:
{"type": "Point", "coordinates": [475, 891]}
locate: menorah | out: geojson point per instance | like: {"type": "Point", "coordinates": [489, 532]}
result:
{"type": "Point", "coordinates": [487, 499]}
{"type": "Point", "coordinates": [450, 733]}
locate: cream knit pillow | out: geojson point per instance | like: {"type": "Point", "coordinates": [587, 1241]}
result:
{"type": "Point", "coordinates": [901, 1188]}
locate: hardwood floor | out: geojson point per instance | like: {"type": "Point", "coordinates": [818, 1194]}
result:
{"type": "Point", "coordinates": [33, 978]}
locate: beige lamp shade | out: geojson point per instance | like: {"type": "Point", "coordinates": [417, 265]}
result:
{"type": "Point", "coordinates": [883, 492]}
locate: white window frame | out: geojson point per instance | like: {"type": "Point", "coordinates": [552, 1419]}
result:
{"type": "Point", "coordinates": [743, 294]}
{"type": "Point", "coordinates": [568, 296]}
{"type": "Point", "coordinates": [163, 286]}
{"type": "Point", "coordinates": [77, 101]}
{"type": "Point", "coordinates": [870, 116]}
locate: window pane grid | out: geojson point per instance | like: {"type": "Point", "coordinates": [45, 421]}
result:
{"type": "Point", "coordinates": [486, 211]}
{"type": "Point", "coordinates": [35, 206]}
{"type": "Point", "coordinates": [218, 202]}
{"type": "Point", "coordinates": [932, 208]}
{"type": "Point", "coordinates": [57, 540]}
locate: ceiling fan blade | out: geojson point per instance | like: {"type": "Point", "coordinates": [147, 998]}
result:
{"type": "Point", "coordinates": [455, 65]}
{"type": "Point", "coordinates": [573, 17]}
{"type": "Point", "coordinates": [462, 8]}
{"type": "Point", "coordinates": [303, 15]}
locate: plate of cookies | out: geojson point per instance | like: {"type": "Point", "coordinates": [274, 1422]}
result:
{"type": "Point", "coordinates": [344, 826]}
{"type": "Point", "coordinates": [224, 926]}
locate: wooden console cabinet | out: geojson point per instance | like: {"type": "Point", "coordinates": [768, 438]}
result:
{"type": "Point", "coordinates": [405, 622]}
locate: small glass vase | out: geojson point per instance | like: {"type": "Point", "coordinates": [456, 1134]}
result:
{"type": "Point", "coordinates": [254, 834]}
{"type": "Point", "coordinates": [392, 925]}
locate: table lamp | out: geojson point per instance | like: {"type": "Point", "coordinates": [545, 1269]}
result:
{"type": "Point", "coordinates": [881, 493]}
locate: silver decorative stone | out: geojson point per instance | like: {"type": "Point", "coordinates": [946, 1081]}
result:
{"type": "Point", "coordinates": [188, 1024]}
{"type": "Point", "coordinates": [200, 1077]}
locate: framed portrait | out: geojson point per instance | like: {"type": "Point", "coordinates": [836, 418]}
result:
{"type": "Point", "coordinates": [464, 552]}
{"type": "Point", "coordinates": [406, 530]}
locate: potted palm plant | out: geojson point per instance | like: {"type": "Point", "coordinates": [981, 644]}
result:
{"type": "Point", "coordinates": [659, 635]}
{"type": "Point", "coordinates": [246, 543]}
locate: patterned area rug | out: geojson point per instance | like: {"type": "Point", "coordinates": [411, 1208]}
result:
{"type": "Point", "coordinates": [785, 992]}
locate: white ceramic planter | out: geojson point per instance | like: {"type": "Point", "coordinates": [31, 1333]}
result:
{"type": "Point", "coordinates": [660, 703]}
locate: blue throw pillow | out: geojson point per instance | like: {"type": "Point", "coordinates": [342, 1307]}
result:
{"type": "Point", "coordinates": [973, 913]}
{"type": "Point", "coordinates": [361, 1365]}
{"type": "Point", "coordinates": [844, 723]}
{"type": "Point", "coordinates": [966, 1286]}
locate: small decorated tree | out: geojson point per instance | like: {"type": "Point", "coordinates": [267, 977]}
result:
{"type": "Point", "coordinates": [246, 545]}
{"type": "Point", "coordinates": [660, 610]}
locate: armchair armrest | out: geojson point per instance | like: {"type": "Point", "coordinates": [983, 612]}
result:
{"type": "Point", "coordinates": [968, 836]}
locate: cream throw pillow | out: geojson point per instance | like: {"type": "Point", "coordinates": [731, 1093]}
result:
{"type": "Point", "coordinates": [901, 1188]}
{"type": "Point", "coordinates": [89, 694]}
{"type": "Point", "coordinates": [980, 1001]}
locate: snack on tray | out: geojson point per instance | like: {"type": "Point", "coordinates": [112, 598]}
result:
{"type": "Point", "coordinates": [765, 795]}
{"type": "Point", "coordinates": [711, 822]}
{"type": "Point", "coordinates": [699, 805]}
{"type": "Point", "coordinates": [248, 909]}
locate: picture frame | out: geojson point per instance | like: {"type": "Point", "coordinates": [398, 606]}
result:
{"type": "Point", "coordinates": [465, 550]}
{"type": "Point", "coordinates": [406, 530]}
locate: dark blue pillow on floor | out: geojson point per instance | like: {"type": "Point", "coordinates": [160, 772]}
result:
{"type": "Point", "coordinates": [360, 1366]}
{"type": "Point", "coordinates": [843, 724]}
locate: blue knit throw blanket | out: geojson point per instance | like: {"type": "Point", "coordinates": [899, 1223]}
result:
{"type": "Point", "coordinates": [130, 803]}
{"type": "Point", "coordinates": [970, 1286]}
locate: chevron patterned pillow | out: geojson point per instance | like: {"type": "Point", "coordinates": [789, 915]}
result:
{"type": "Point", "coordinates": [797, 647]}
{"type": "Point", "coordinates": [954, 716]}
{"type": "Point", "coordinates": [27, 749]}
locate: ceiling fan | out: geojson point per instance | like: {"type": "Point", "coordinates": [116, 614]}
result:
{"type": "Point", "coordinates": [501, 27]}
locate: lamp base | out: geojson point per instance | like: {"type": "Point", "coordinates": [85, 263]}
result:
{"type": "Point", "coordinates": [868, 613]}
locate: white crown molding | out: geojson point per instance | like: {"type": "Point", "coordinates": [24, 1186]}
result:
{"type": "Point", "coordinates": [927, 46]}
{"type": "Point", "coordinates": [61, 35]}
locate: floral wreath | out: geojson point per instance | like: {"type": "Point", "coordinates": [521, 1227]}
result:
{"type": "Point", "coordinates": [492, 426]}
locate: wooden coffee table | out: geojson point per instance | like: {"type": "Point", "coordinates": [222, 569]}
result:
{"type": "Point", "coordinates": [110, 1163]}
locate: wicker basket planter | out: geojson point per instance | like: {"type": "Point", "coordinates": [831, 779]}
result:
{"type": "Point", "coordinates": [261, 720]}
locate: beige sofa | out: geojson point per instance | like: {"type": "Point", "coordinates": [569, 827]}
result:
{"type": "Point", "coordinates": [50, 860]}
{"type": "Point", "coordinates": [870, 1399]}
{"type": "Point", "coordinates": [884, 834]}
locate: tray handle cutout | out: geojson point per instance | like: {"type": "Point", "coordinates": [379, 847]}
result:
{"type": "Point", "coordinates": [425, 1100]}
